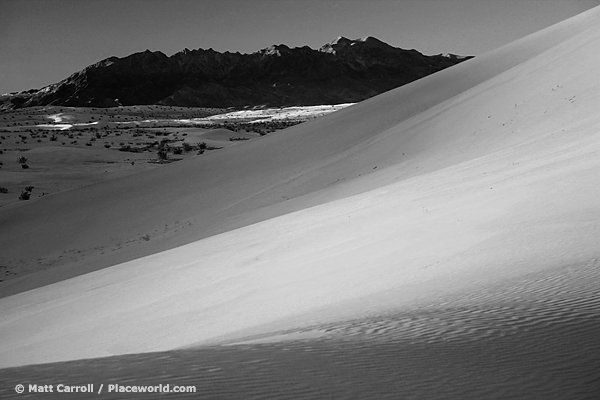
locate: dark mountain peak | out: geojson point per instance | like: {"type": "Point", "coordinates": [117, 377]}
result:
{"type": "Point", "coordinates": [275, 50]}
{"type": "Point", "coordinates": [152, 54]}
{"type": "Point", "coordinates": [339, 43]}
{"type": "Point", "coordinates": [370, 39]}
{"type": "Point", "coordinates": [342, 44]}
{"type": "Point", "coordinates": [373, 42]}
{"type": "Point", "coordinates": [342, 71]}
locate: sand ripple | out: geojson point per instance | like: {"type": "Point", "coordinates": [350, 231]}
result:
{"type": "Point", "coordinates": [536, 337]}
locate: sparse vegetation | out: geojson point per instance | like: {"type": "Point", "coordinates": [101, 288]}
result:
{"type": "Point", "coordinates": [162, 155]}
{"type": "Point", "coordinates": [23, 161]}
{"type": "Point", "coordinates": [26, 194]}
{"type": "Point", "coordinates": [20, 131]}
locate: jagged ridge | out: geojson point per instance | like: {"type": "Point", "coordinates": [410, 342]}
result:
{"type": "Point", "coordinates": [339, 72]}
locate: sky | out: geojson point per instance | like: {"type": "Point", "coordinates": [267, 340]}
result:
{"type": "Point", "coordinates": [45, 41]}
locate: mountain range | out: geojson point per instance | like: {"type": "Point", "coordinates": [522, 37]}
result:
{"type": "Point", "coordinates": [342, 71]}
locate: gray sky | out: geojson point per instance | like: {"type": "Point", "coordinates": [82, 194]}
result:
{"type": "Point", "coordinates": [44, 41]}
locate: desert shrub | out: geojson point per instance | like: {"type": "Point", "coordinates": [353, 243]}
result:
{"type": "Point", "coordinates": [53, 137]}
{"type": "Point", "coordinates": [132, 149]}
{"type": "Point", "coordinates": [202, 146]}
{"type": "Point", "coordinates": [187, 146]}
{"type": "Point", "coordinates": [162, 155]}
{"type": "Point", "coordinates": [177, 150]}
{"type": "Point", "coordinates": [24, 195]}
{"type": "Point", "coordinates": [107, 145]}
{"type": "Point", "coordinates": [22, 160]}
{"type": "Point", "coordinates": [3, 189]}
{"type": "Point", "coordinates": [88, 144]}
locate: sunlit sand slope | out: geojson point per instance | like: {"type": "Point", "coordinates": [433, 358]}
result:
{"type": "Point", "coordinates": [534, 337]}
{"type": "Point", "coordinates": [505, 98]}
{"type": "Point", "coordinates": [483, 173]}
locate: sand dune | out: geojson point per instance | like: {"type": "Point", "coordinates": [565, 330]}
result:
{"type": "Point", "coordinates": [452, 218]}
{"type": "Point", "coordinates": [526, 338]}
{"type": "Point", "coordinates": [410, 128]}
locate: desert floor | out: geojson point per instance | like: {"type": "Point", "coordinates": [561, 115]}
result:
{"type": "Point", "coordinates": [68, 147]}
